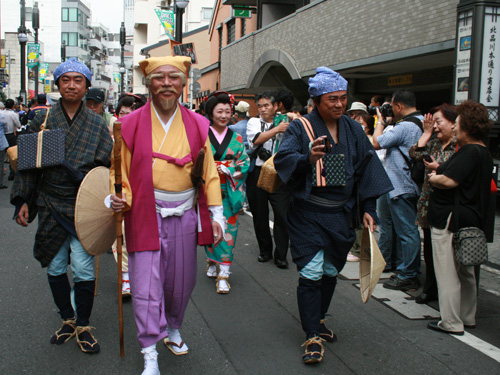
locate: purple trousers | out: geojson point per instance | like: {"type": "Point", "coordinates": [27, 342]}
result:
{"type": "Point", "coordinates": [162, 281]}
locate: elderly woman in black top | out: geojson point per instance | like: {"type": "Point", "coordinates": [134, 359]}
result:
{"type": "Point", "coordinates": [460, 199]}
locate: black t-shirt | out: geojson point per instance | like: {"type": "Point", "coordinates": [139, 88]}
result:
{"type": "Point", "coordinates": [471, 166]}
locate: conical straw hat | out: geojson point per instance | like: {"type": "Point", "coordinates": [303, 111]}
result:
{"type": "Point", "coordinates": [95, 223]}
{"type": "Point", "coordinates": [371, 265]}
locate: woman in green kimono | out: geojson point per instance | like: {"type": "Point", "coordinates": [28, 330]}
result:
{"type": "Point", "coordinates": [232, 164]}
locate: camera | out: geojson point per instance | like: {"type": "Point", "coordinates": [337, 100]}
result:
{"type": "Point", "coordinates": [385, 110]}
{"type": "Point", "coordinates": [264, 154]}
{"type": "Point", "coordinates": [327, 144]}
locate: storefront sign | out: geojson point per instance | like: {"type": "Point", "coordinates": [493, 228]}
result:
{"type": "Point", "coordinates": [400, 80]}
{"type": "Point", "coordinates": [490, 68]}
{"type": "Point", "coordinates": [462, 66]}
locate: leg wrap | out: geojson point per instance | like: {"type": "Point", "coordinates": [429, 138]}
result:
{"type": "Point", "coordinates": [328, 285]}
{"type": "Point", "coordinates": [309, 301]}
{"type": "Point", "coordinates": [61, 292]}
{"type": "Point", "coordinates": [84, 300]}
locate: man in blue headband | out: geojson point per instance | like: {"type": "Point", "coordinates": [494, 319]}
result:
{"type": "Point", "coordinates": [88, 144]}
{"type": "Point", "coordinates": [326, 161]}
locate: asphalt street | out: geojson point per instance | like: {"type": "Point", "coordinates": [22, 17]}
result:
{"type": "Point", "coordinates": [253, 330]}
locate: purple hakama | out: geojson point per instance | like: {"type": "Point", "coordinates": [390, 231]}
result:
{"type": "Point", "coordinates": [162, 281]}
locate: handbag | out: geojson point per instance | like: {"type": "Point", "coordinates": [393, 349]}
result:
{"type": "Point", "coordinates": [43, 149]}
{"type": "Point", "coordinates": [268, 178]}
{"type": "Point", "coordinates": [469, 243]}
{"type": "Point", "coordinates": [12, 154]}
{"type": "Point", "coordinates": [470, 246]}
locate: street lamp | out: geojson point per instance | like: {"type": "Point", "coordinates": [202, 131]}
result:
{"type": "Point", "coordinates": [36, 26]}
{"type": "Point", "coordinates": [179, 11]}
{"type": "Point", "coordinates": [122, 65]}
{"type": "Point", "coordinates": [23, 38]}
{"type": "Point", "coordinates": [63, 51]}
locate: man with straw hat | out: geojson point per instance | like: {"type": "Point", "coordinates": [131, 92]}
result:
{"type": "Point", "coordinates": [170, 191]}
{"type": "Point", "coordinates": [327, 162]}
{"type": "Point", "coordinates": [88, 144]}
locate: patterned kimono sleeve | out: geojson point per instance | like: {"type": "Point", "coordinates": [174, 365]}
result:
{"type": "Point", "coordinates": [104, 148]}
{"type": "Point", "coordinates": [292, 159]}
{"type": "Point", "coordinates": [241, 160]}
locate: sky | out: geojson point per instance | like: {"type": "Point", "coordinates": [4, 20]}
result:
{"type": "Point", "coordinates": [107, 12]}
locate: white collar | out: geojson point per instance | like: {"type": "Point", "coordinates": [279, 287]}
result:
{"type": "Point", "coordinates": [167, 125]}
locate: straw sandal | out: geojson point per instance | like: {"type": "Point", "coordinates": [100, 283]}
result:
{"type": "Point", "coordinates": [210, 271]}
{"type": "Point", "coordinates": [65, 333]}
{"type": "Point", "coordinates": [325, 333]}
{"type": "Point", "coordinates": [170, 346]}
{"type": "Point", "coordinates": [217, 285]}
{"type": "Point", "coordinates": [314, 350]}
{"type": "Point", "coordinates": [85, 340]}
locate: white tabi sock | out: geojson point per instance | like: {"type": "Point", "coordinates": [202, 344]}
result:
{"type": "Point", "coordinates": [224, 272]}
{"type": "Point", "coordinates": [125, 284]}
{"type": "Point", "coordinates": [175, 336]}
{"type": "Point", "coordinates": [150, 361]}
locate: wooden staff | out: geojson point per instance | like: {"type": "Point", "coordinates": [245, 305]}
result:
{"type": "Point", "coordinates": [117, 132]}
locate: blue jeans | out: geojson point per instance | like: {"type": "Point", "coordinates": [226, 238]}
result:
{"type": "Point", "coordinates": [404, 213]}
{"type": "Point", "coordinates": [389, 245]}
{"type": "Point", "coordinates": [81, 261]}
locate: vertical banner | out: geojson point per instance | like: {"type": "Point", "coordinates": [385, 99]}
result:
{"type": "Point", "coordinates": [43, 70]}
{"type": "Point", "coordinates": [166, 18]}
{"type": "Point", "coordinates": [462, 65]}
{"type": "Point", "coordinates": [116, 77]}
{"type": "Point", "coordinates": [33, 55]}
{"type": "Point", "coordinates": [490, 69]}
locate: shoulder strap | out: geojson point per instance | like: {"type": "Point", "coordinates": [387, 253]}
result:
{"type": "Point", "coordinates": [320, 180]}
{"type": "Point", "coordinates": [416, 121]}
{"type": "Point", "coordinates": [42, 127]}
{"type": "Point", "coordinates": [308, 128]}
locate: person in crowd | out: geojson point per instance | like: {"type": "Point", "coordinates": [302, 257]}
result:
{"type": "Point", "coordinates": [434, 152]}
{"type": "Point", "coordinates": [403, 199]}
{"type": "Point", "coordinates": [261, 135]}
{"type": "Point", "coordinates": [159, 200]}
{"type": "Point", "coordinates": [241, 111]}
{"type": "Point", "coordinates": [41, 106]}
{"type": "Point", "coordinates": [368, 124]}
{"type": "Point", "coordinates": [124, 107]}
{"type": "Point", "coordinates": [4, 144]}
{"type": "Point", "coordinates": [320, 210]}
{"type": "Point", "coordinates": [389, 244]}
{"type": "Point", "coordinates": [310, 105]}
{"type": "Point", "coordinates": [11, 126]}
{"type": "Point", "coordinates": [232, 164]}
{"type": "Point", "coordinates": [357, 108]}
{"type": "Point", "coordinates": [460, 198]}
{"type": "Point", "coordinates": [88, 145]}
{"type": "Point", "coordinates": [377, 100]}
{"type": "Point", "coordinates": [94, 100]}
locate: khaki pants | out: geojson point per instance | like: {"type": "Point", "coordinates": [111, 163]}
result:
{"type": "Point", "coordinates": [456, 283]}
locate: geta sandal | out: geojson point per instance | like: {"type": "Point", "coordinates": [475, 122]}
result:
{"type": "Point", "coordinates": [217, 285]}
{"type": "Point", "coordinates": [170, 346]}
{"type": "Point", "coordinates": [325, 333]}
{"type": "Point", "coordinates": [211, 273]}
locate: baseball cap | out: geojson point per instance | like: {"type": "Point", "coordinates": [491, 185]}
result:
{"type": "Point", "coordinates": [96, 95]}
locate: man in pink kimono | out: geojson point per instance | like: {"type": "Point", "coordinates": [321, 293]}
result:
{"type": "Point", "coordinates": [164, 221]}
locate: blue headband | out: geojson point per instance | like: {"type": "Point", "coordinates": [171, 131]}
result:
{"type": "Point", "coordinates": [72, 65]}
{"type": "Point", "coordinates": [325, 81]}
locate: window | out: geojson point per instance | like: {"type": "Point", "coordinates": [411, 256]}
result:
{"type": "Point", "coordinates": [206, 14]}
{"type": "Point", "coordinates": [71, 39]}
{"type": "Point", "coordinates": [231, 31]}
{"type": "Point", "coordinates": [69, 14]}
{"type": "Point", "coordinates": [243, 27]}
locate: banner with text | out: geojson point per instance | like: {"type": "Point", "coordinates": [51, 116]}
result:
{"type": "Point", "coordinates": [33, 55]}
{"type": "Point", "coordinates": [166, 18]}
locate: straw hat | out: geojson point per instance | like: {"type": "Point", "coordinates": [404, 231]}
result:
{"type": "Point", "coordinates": [358, 106]}
{"type": "Point", "coordinates": [371, 265]}
{"type": "Point", "coordinates": [95, 223]}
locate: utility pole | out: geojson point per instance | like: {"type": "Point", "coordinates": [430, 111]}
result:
{"type": "Point", "coordinates": [23, 38]}
{"type": "Point", "coordinates": [36, 26]}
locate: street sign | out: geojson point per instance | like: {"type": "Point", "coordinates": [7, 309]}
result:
{"type": "Point", "coordinates": [195, 87]}
{"type": "Point", "coordinates": [195, 74]}
{"type": "Point", "coordinates": [242, 12]}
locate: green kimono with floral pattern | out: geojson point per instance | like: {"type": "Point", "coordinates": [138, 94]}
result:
{"type": "Point", "coordinates": [232, 162]}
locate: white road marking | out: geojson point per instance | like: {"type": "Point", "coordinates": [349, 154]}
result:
{"type": "Point", "coordinates": [491, 351]}
{"type": "Point", "coordinates": [271, 224]}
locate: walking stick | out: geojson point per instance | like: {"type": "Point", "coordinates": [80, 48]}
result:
{"type": "Point", "coordinates": [117, 132]}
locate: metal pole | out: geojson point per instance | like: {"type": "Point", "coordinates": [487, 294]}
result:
{"type": "Point", "coordinates": [8, 90]}
{"type": "Point", "coordinates": [122, 67]}
{"type": "Point", "coordinates": [36, 25]}
{"type": "Point", "coordinates": [22, 43]}
{"type": "Point", "coordinates": [178, 23]}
